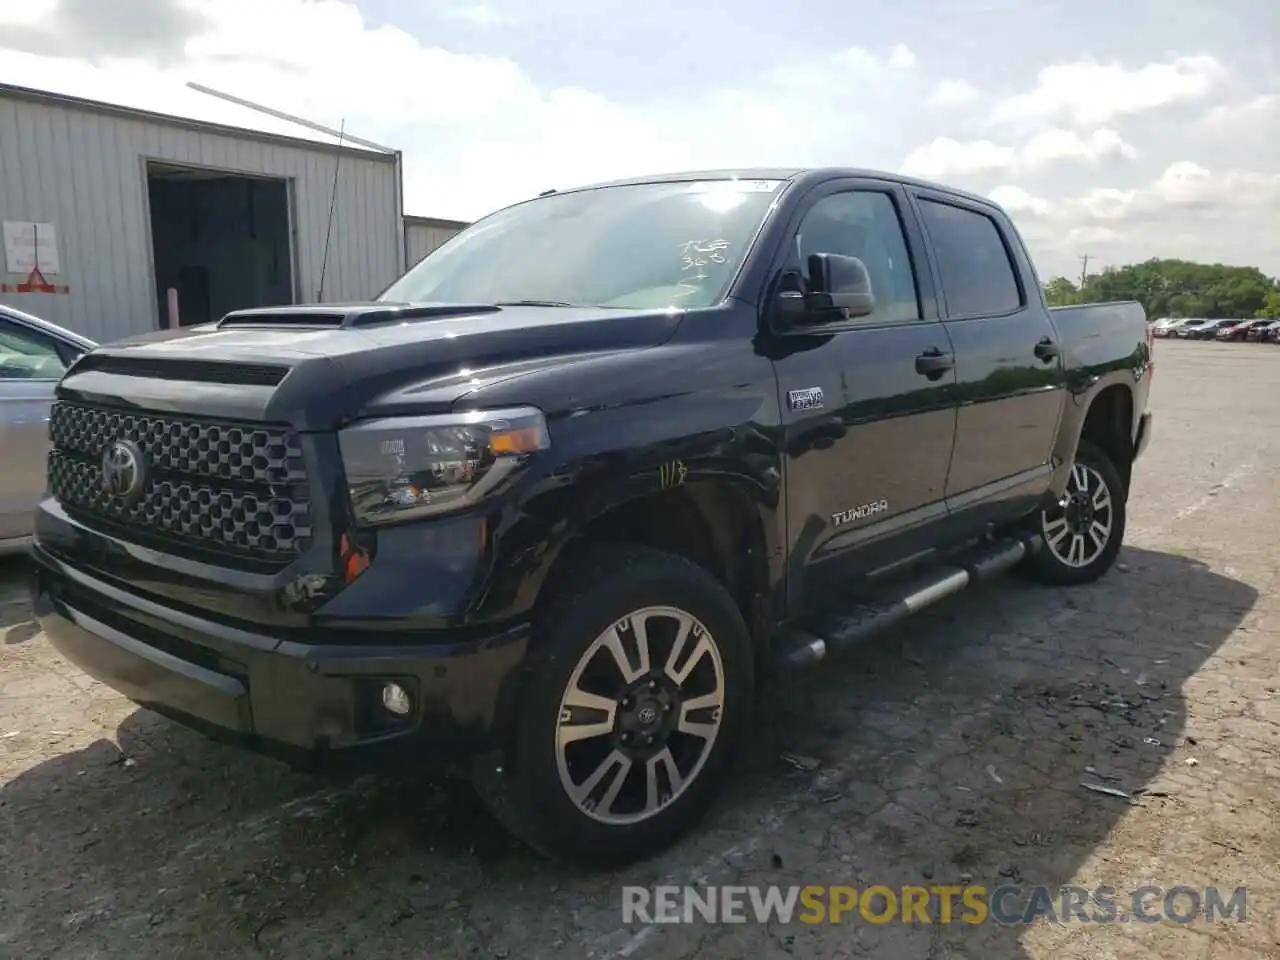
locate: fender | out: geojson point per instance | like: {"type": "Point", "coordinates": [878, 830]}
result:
{"type": "Point", "coordinates": [697, 411]}
{"type": "Point", "coordinates": [1085, 382]}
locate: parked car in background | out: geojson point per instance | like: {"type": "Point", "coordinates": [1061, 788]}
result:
{"type": "Point", "coordinates": [1163, 326]}
{"type": "Point", "coordinates": [34, 354]}
{"type": "Point", "coordinates": [1269, 333]}
{"type": "Point", "coordinates": [1208, 330]}
{"type": "Point", "coordinates": [1240, 330]}
{"type": "Point", "coordinates": [1188, 327]}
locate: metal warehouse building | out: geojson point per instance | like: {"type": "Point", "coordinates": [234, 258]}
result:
{"type": "Point", "coordinates": [423, 234]}
{"type": "Point", "coordinates": [115, 218]}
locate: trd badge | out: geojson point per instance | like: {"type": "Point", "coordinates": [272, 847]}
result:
{"type": "Point", "coordinates": [810, 398]}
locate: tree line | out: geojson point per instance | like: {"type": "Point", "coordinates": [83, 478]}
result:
{"type": "Point", "coordinates": [1176, 288]}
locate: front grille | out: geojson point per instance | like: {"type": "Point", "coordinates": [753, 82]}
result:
{"type": "Point", "coordinates": [221, 489]}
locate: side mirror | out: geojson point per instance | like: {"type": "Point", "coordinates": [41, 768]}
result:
{"type": "Point", "coordinates": [838, 288]}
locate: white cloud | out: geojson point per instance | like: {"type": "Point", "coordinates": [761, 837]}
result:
{"type": "Point", "coordinates": [1015, 200]}
{"type": "Point", "coordinates": [28, 14]}
{"type": "Point", "coordinates": [1089, 93]}
{"type": "Point", "coordinates": [1262, 109]}
{"type": "Point", "coordinates": [901, 57]}
{"type": "Point", "coordinates": [1095, 236]}
{"type": "Point", "coordinates": [1187, 184]}
{"type": "Point", "coordinates": [953, 93]}
{"type": "Point", "coordinates": [945, 157]}
{"type": "Point", "coordinates": [1183, 188]}
{"type": "Point", "coordinates": [1187, 211]}
{"type": "Point", "coordinates": [1050, 145]}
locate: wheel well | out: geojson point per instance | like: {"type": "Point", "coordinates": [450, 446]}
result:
{"type": "Point", "coordinates": [714, 525]}
{"type": "Point", "coordinates": [1109, 424]}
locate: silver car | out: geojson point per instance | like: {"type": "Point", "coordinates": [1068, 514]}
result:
{"type": "Point", "coordinates": [34, 354]}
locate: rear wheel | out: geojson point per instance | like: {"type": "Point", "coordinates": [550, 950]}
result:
{"type": "Point", "coordinates": [1081, 535]}
{"type": "Point", "coordinates": [638, 686]}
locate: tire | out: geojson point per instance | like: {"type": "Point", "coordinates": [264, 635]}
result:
{"type": "Point", "coordinates": [599, 601]}
{"type": "Point", "coordinates": [1068, 552]}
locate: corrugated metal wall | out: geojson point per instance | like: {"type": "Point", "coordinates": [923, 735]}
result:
{"type": "Point", "coordinates": [424, 234]}
{"type": "Point", "coordinates": [84, 171]}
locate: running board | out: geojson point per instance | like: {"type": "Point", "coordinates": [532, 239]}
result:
{"type": "Point", "coordinates": [803, 648]}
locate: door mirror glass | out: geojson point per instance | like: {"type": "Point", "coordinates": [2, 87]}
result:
{"type": "Point", "coordinates": [838, 282]}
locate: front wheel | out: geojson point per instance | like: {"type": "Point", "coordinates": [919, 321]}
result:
{"type": "Point", "coordinates": [1080, 536]}
{"type": "Point", "coordinates": [638, 685]}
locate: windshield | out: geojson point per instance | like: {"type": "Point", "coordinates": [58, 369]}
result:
{"type": "Point", "coordinates": [638, 246]}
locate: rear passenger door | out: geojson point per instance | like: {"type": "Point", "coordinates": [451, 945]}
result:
{"type": "Point", "coordinates": [1010, 377]}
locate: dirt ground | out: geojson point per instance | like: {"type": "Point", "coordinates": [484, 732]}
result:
{"type": "Point", "coordinates": [951, 751]}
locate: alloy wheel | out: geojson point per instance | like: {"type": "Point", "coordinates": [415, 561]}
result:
{"type": "Point", "coordinates": [1077, 528]}
{"type": "Point", "coordinates": [640, 715]}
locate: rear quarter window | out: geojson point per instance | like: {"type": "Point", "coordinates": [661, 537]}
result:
{"type": "Point", "coordinates": [978, 278]}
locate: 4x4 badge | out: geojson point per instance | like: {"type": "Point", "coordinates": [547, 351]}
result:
{"type": "Point", "coordinates": [810, 398]}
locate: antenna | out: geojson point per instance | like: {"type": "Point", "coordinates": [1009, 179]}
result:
{"type": "Point", "coordinates": [281, 115]}
{"type": "Point", "coordinates": [333, 202]}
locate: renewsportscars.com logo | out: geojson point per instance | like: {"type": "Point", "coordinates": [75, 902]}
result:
{"type": "Point", "coordinates": [1008, 904]}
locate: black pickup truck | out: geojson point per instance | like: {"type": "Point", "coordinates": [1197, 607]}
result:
{"type": "Point", "coordinates": [550, 509]}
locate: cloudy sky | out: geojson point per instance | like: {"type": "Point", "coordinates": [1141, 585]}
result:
{"type": "Point", "coordinates": [1122, 131]}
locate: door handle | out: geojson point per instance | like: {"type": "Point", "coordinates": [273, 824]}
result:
{"type": "Point", "coordinates": [1046, 349]}
{"type": "Point", "coordinates": [933, 363]}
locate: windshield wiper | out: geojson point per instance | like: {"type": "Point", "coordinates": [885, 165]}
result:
{"type": "Point", "coordinates": [533, 303]}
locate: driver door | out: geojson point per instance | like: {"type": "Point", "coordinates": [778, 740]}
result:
{"type": "Point", "coordinates": [868, 405]}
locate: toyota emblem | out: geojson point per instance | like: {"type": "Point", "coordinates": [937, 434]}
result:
{"type": "Point", "coordinates": [123, 471]}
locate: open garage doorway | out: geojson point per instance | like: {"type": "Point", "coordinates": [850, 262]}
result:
{"type": "Point", "coordinates": [222, 241]}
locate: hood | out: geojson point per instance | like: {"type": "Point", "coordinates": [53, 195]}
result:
{"type": "Point", "coordinates": [317, 367]}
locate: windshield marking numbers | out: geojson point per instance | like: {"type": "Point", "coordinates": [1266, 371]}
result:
{"type": "Point", "coordinates": [696, 254]}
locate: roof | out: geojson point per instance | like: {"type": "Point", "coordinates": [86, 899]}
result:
{"type": "Point", "coordinates": [44, 326]}
{"type": "Point", "coordinates": [785, 173]}
{"type": "Point", "coordinates": [436, 222]}
{"type": "Point", "coordinates": [199, 111]}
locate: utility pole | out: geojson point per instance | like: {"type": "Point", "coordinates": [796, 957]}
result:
{"type": "Point", "coordinates": [1084, 269]}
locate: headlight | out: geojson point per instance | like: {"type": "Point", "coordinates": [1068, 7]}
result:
{"type": "Point", "coordinates": [401, 468]}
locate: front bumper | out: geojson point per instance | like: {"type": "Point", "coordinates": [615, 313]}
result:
{"type": "Point", "coordinates": [1143, 437]}
{"type": "Point", "coordinates": [317, 707]}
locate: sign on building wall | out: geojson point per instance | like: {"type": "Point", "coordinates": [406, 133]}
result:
{"type": "Point", "coordinates": [30, 246]}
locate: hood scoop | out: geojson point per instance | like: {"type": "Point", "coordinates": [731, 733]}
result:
{"type": "Point", "coordinates": [172, 368]}
{"type": "Point", "coordinates": [336, 315]}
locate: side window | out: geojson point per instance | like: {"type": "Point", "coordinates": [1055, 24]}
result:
{"type": "Point", "coordinates": [27, 355]}
{"type": "Point", "coordinates": [865, 224]}
{"type": "Point", "coordinates": [977, 276]}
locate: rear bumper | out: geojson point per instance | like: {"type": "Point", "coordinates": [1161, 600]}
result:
{"type": "Point", "coordinates": [1143, 437]}
{"type": "Point", "coordinates": [316, 707]}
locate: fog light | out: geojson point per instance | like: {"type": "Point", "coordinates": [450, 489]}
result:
{"type": "Point", "coordinates": [396, 699]}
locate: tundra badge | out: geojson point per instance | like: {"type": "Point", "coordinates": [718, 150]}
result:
{"type": "Point", "coordinates": [810, 398]}
{"type": "Point", "coordinates": [858, 513]}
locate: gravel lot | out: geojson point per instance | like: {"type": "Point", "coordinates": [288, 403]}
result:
{"type": "Point", "coordinates": [952, 748]}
